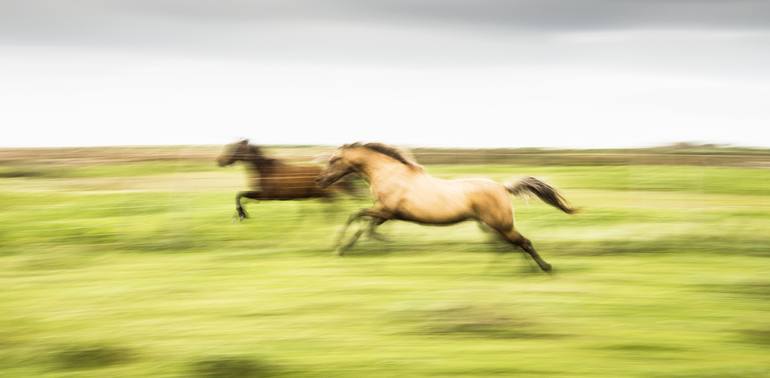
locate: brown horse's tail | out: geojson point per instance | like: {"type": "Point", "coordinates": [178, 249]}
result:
{"type": "Point", "coordinates": [543, 191]}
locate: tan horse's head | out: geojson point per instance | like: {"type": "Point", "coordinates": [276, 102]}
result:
{"type": "Point", "coordinates": [354, 157]}
{"type": "Point", "coordinates": [340, 164]}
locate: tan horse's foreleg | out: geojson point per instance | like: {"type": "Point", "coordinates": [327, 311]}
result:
{"type": "Point", "coordinates": [352, 218]}
{"type": "Point", "coordinates": [372, 233]}
{"type": "Point", "coordinates": [341, 250]}
{"type": "Point", "coordinates": [515, 238]}
{"type": "Point", "coordinates": [376, 215]}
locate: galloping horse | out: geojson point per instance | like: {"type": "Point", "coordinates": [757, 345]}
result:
{"type": "Point", "coordinates": [277, 180]}
{"type": "Point", "coordinates": [404, 191]}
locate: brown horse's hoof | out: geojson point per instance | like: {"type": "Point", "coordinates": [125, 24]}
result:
{"type": "Point", "coordinates": [546, 267]}
{"type": "Point", "coordinates": [241, 213]}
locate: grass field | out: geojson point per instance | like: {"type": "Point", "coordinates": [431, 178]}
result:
{"type": "Point", "coordinates": [134, 269]}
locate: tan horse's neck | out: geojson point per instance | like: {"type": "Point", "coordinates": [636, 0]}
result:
{"type": "Point", "coordinates": [383, 173]}
{"type": "Point", "coordinates": [376, 167]}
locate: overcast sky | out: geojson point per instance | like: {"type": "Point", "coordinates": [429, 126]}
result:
{"type": "Point", "coordinates": [569, 73]}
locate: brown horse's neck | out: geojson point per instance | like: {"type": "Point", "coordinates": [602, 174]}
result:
{"type": "Point", "coordinates": [260, 163]}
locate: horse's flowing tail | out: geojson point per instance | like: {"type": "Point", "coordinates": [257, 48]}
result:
{"type": "Point", "coordinates": [544, 191]}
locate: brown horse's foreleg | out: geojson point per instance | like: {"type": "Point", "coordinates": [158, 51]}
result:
{"type": "Point", "coordinates": [517, 239]}
{"type": "Point", "coordinates": [376, 215]}
{"type": "Point", "coordinates": [253, 194]}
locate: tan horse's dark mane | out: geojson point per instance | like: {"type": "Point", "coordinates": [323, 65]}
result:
{"type": "Point", "coordinates": [385, 150]}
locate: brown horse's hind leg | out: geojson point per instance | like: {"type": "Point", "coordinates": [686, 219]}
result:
{"type": "Point", "coordinates": [520, 241]}
{"type": "Point", "coordinates": [239, 208]}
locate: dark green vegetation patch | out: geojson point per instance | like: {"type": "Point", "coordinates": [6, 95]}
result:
{"type": "Point", "coordinates": [92, 356]}
{"type": "Point", "coordinates": [232, 367]}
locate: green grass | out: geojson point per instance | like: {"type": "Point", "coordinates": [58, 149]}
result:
{"type": "Point", "coordinates": [136, 270]}
{"type": "Point", "coordinates": [108, 169]}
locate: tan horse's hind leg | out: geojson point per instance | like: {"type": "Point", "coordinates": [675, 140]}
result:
{"type": "Point", "coordinates": [515, 238]}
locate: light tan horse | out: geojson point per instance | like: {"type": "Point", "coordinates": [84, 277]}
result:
{"type": "Point", "coordinates": [404, 191]}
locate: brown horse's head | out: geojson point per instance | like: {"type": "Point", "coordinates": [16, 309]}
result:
{"type": "Point", "coordinates": [238, 151]}
{"type": "Point", "coordinates": [338, 167]}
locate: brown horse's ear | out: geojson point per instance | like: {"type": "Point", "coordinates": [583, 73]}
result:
{"type": "Point", "coordinates": [244, 141]}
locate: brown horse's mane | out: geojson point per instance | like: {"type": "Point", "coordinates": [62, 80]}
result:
{"type": "Point", "coordinates": [260, 158]}
{"type": "Point", "coordinates": [385, 150]}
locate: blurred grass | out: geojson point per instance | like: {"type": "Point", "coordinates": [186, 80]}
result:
{"type": "Point", "coordinates": [134, 269]}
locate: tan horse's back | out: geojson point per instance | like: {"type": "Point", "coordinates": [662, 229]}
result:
{"type": "Point", "coordinates": [423, 198]}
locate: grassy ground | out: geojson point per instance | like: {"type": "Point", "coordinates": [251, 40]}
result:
{"type": "Point", "coordinates": [135, 269]}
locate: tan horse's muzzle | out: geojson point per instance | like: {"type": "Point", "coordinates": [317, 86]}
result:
{"type": "Point", "coordinates": [223, 161]}
{"type": "Point", "coordinates": [322, 181]}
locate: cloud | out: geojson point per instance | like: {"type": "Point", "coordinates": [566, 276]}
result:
{"type": "Point", "coordinates": [683, 69]}
{"type": "Point", "coordinates": [150, 22]}
{"type": "Point", "coordinates": [699, 35]}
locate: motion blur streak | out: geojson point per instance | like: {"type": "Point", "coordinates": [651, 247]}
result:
{"type": "Point", "coordinates": [125, 262]}
{"type": "Point", "coordinates": [138, 240]}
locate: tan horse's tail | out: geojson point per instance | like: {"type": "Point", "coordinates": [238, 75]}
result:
{"type": "Point", "coordinates": [543, 191]}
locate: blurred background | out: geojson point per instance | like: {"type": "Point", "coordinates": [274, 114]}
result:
{"type": "Point", "coordinates": [588, 73]}
{"type": "Point", "coordinates": [119, 254]}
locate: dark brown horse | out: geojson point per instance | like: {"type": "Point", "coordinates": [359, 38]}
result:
{"type": "Point", "coordinates": [276, 179]}
{"type": "Point", "coordinates": [404, 191]}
